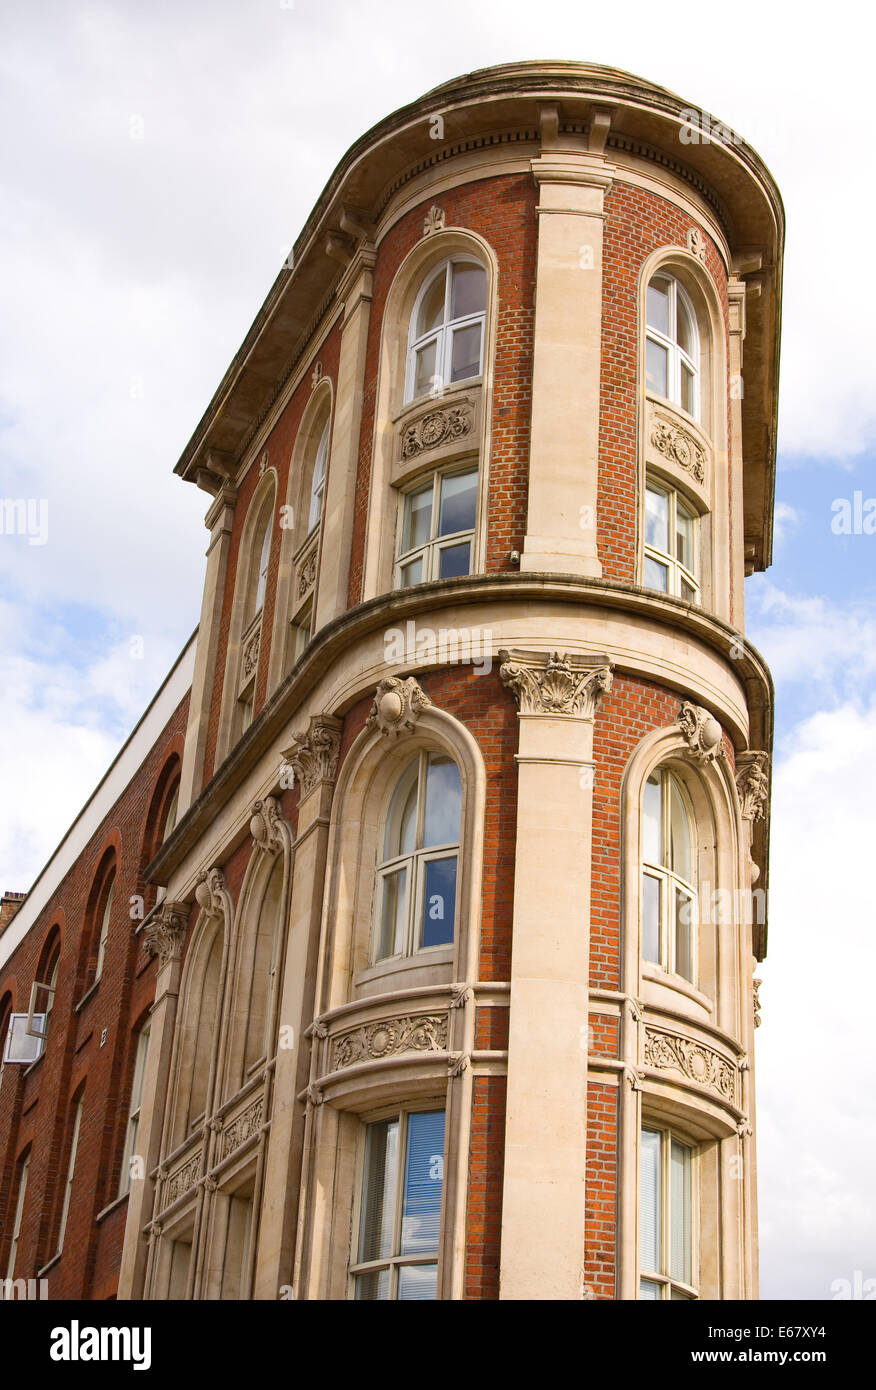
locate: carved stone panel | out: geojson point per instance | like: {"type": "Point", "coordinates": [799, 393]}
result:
{"type": "Point", "coordinates": [695, 1061]}
{"type": "Point", "coordinates": [675, 447]}
{"type": "Point", "coordinates": [370, 1041]}
{"type": "Point", "coordinates": [241, 1128]}
{"type": "Point", "coordinates": [181, 1181]}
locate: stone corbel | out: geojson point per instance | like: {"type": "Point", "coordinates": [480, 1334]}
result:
{"type": "Point", "coordinates": [166, 931]}
{"type": "Point", "coordinates": [314, 755]}
{"type": "Point", "coordinates": [268, 826]}
{"type": "Point", "coordinates": [215, 470]}
{"type": "Point", "coordinates": [702, 732]}
{"type": "Point", "coordinates": [339, 248]}
{"type": "Point", "coordinates": [554, 684]}
{"type": "Point", "coordinates": [212, 895]}
{"type": "Point", "coordinates": [755, 987]}
{"type": "Point", "coordinates": [600, 125]}
{"type": "Point", "coordinates": [397, 706]}
{"type": "Point", "coordinates": [752, 783]}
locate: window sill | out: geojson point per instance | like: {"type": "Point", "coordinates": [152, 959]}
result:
{"type": "Point", "coordinates": [658, 976]}
{"type": "Point", "coordinates": [41, 1273]}
{"type": "Point", "coordinates": [86, 996]}
{"type": "Point", "coordinates": [112, 1206]}
{"type": "Point", "coordinates": [425, 961]}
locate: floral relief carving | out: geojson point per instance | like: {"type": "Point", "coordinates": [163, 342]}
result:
{"type": "Point", "coordinates": [242, 1127]}
{"type": "Point", "coordinates": [703, 734]}
{"type": "Point", "coordinates": [752, 783]}
{"type": "Point", "coordinates": [434, 221]}
{"type": "Point", "coordinates": [251, 655]}
{"type": "Point", "coordinates": [438, 427]}
{"type": "Point", "coordinates": [668, 1052]}
{"type": "Point", "coordinates": [696, 244]}
{"type": "Point", "coordinates": [307, 574]}
{"type": "Point", "coordinates": [181, 1181]}
{"type": "Point", "coordinates": [370, 1041]}
{"type": "Point", "coordinates": [553, 684]}
{"type": "Point", "coordinates": [397, 706]}
{"type": "Point", "coordinates": [678, 446]}
{"type": "Point", "coordinates": [314, 755]}
{"type": "Point", "coordinates": [165, 932]}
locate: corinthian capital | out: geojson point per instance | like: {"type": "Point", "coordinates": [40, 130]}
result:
{"type": "Point", "coordinates": [165, 932]}
{"type": "Point", "coordinates": [752, 783]}
{"type": "Point", "coordinates": [555, 684]}
{"type": "Point", "coordinates": [314, 755]}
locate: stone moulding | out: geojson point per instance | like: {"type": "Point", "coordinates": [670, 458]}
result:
{"type": "Point", "coordinates": [387, 1037]}
{"type": "Point", "coordinates": [695, 1061]}
{"type": "Point", "coordinates": [554, 684]}
{"type": "Point", "coordinates": [436, 427]}
{"type": "Point", "coordinates": [242, 1127]}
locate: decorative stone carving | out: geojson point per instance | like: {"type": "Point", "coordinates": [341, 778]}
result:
{"type": "Point", "coordinates": [702, 732]}
{"type": "Point", "coordinates": [307, 574]}
{"type": "Point", "coordinates": [397, 706]}
{"type": "Point", "coordinates": [679, 446]}
{"type": "Point", "coordinates": [210, 1184]}
{"type": "Point", "coordinates": [251, 655]}
{"type": "Point", "coordinates": [181, 1181]}
{"type": "Point", "coordinates": [263, 463]}
{"type": "Point", "coordinates": [155, 1230]}
{"type": "Point", "coordinates": [461, 994]}
{"type": "Point", "coordinates": [242, 1127]}
{"type": "Point", "coordinates": [165, 933]}
{"type": "Point", "coordinates": [314, 755]}
{"type": "Point", "coordinates": [752, 783]}
{"type": "Point", "coordinates": [267, 824]}
{"type": "Point", "coordinates": [744, 1130]}
{"type": "Point", "coordinates": [314, 1095]}
{"type": "Point", "coordinates": [370, 1041]}
{"type": "Point", "coordinates": [555, 684]}
{"type": "Point", "coordinates": [316, 378]}
{"type": "Point", "coordinates": [438, 427]}
{"type": "Point", "coordinates": [458, 1064]}
{"type": "Point", "coordinates": [756, 984]}
{"type": "Point", "coordinates": [211, 892]}
{"type": "Point", "coordinates": [696, 244]}
{"type": "Point", "coordinates": [434, 220]}
{"type": "Point", "coordinates": [668, 1052]}
{"type": "Point", "coordinates": [635, 1077]}
{"type": "Point", "coordinates": [316, 1029]}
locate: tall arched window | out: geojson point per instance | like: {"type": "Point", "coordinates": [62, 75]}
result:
{"type": "Point", "coordinates": [262, 580]}
{"type": "Point", "coordinates": [416, 881]}
{"type": "Point", "coordinates": [105, 913]}
{"type": "Point", "coordinates": [446, 337]}
{"type": "Point", "coordinates": [317, 484]}
{"type": "Point", "coordinates": [205, 1032]}
{"type": "Point", "coordinates": [669, 893]}
{"type": "Point", "coordinates": [672, 345]}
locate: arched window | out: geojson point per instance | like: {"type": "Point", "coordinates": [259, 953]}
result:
{"type": "Point", "coordinates": [672, 345]}
{"type": "Point", "coordinates": [167, 830]}
{"type": "Point", "coordinates": [205, 1032]}
{"type": "Point", "coordinates": [416, 881]}
{"type": "Point", "coordinates": [317, 485]}
{"type": "Point", "coordinates": [671, 543]}
{"type": "Point", "coordinates": [130, 1154]}
{"type": "Point", "coordinates": [105, 913]}
{"type": "Point", "coordinates": [262, 580]}
{"type": "Point", "coordinates": [669, 893]}
{"type": "Point", "coordinates": [446, 337]}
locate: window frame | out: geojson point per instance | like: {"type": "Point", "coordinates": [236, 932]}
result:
{"type": "Point", "coordinates": [430, 550]}
{"type": "Point", "coordinates": [23, 1167]}
{"type": "Point", "coordinates": [318, 479]}
{"type": "Point", "coordinates": [103, 939]}
{"type": "Point", "coordinates": [677, 572]}
{"type": "Point", "coordinates": [71, 1170]}
{"type": "Point", "coordinates": [667, 1282]}
{"type": "Point", "coordinates": [677, 356]}
{"type": "Point", "coordinates": [669, 879]}
{"type": "Point", "coordinates": [394, 1261]}
{"type": "Point", "coordinates": [444, 333]}
{"type": "Point", "coordinates": [133, 1126]}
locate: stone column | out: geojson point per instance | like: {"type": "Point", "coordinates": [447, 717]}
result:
{"type": "Point", "coordinates": [564, 436]}
{"type": "Point", "coordinates": [163, 937]}
{"type": "Point", "coordinates": [543, 1207]}
{"type": "Point", "coordinates": [314, 757]}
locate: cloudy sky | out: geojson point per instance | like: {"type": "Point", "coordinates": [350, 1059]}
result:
{"type": "Point", "coordinates": [158, 161]}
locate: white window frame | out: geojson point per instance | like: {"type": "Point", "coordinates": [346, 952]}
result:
{"type": "Point", "coordinates": [169, 827]}
{"type": "Point", "coordinates": [104, 928]}
{"type": "Point", "coordinates": [669, 1284]}
{"type": "Point", "coordinates": [318, 481]}
{"type": "Point", "coordinates": [23, 1169]}
{"type": "Point", "coordinates": [393, 1262]}
{"type": "Point", "coordinates": [430, 550]}
{"type": "Point", "coordinates": [264, 563]}
{"type": "Point", "coordinates": [415, 880]}
{"type": "Point", "coordinates": [670, 881]}
{"type": "Point", "coordinates": [16, 1035]}
{"type": "Point", "coordinates": [442, 334]}
{"type": "Point", "coordinates": [71, 1167]}
{"type": "Point", "coordinates": [676, 355]}
{"type": "Point", "coordinates": [134, 1107]}
{"type": "Point", "coordinates": [676, 571]}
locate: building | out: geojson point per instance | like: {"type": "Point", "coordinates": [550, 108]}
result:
{"type": "Point", "coordinates": [430, 970]}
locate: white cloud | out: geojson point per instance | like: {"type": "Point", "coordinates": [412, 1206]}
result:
{"type": "Point", "coordinates": [810, 641]}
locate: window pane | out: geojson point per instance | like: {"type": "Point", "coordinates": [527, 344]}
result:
{"type": "Point", "coordinates": [652, 820]}
{"type": "Point", "coordinates": [688, 390]}
{"type": "Point", "coordinates": [374, 1285]}
{"type": "Point", "coordinates": [379, 1182]}
{"type": "Point", "coordinates": [648, 1289]}
{"type": "Point", "coordinates": [401, 821]}
{"type": "Point", "coordinates": [443, 802]}
{"type": "Point", "coordinates": [658, 306]}
{"type": "Point", "coordinates": [425, 378]}
{"type": "Point", "coordinates": [465, 359]}
{"type": "Point", "coordinates": [431, 313]}
{"type": "Point", "coordinates": [684, 534]}
{"type": "Point", "coordinates": [417, 526]}
{"type": "Point", "coordinates": [651, 918]}
{"type": "Point", "coordinates": [393, 914]}
{"type": "Point", "coordinates": [657, 519]}
{"type": "Point", "coordinates": [680, 848]}
{"type": "Point", "coordinates": [412, 573]}
{"type": "Point", "coordinates": [683, 934]}
{"type": "Point", "coordinates": [656, 575]}
{"type": "Point", "coordinates": [649, 1201]}
{"type": "Point", "coordinates": [685, 330]}
{"type": "Point", "coordinates": [418, 1281]}
{"type": "Point", "coordinates": [468, 294]}
{"type": "Point", "coordinates": [454, 560]}
{"type": "Point", "coordinates": [656, 368]}
{"type": "Point", "coordinates": [439, 901]}
{"type": "Point", "coordinates": [424, 1176]}
{"type": "Point", "coordinates": [459, 500]}
{"type": "Point", "coordinates": [680, 1212]}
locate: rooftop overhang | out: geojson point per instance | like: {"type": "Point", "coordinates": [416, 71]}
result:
{"type": "Point", "coordinates": [640, 118]}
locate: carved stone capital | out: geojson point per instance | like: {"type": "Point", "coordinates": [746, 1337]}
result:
{"type": "Point", "coordinates": [397, 706]}
{"type": "Point", "coordinates": [753, 783]}
{"type": "Point", "coordinates": [703, 734]}
{"type": "Point", "coordinates": [166, 931]}
{"type": "Point", "coordinates": [210, 892]}
{"type": "Point", "coordinates": [556, 684]}
{"type": "Point", "coordinates": [268, 824]}
{"type": "Point", "coordinates": [315, 753]}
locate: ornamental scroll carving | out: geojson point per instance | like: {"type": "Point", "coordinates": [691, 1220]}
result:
{"type": "Point", "coordinates": [371, 1041]}
{"type": "Point", "coordinates": [555, 684]}
{"type": "Point", "coordinates": [165, 933]}
{"type": "Point", "coordinates": [268, 825]}
{"type": "Point", "coordinates": [752, 783]}
{"type": "Point", "coordinates": [668, 1052]}
{"type": "Point", "coordinates": [315, 754]}
{"type": "Point", "coordinates": [434, 220]}
{"type": "Point", "coordinates": [251, 655]}
{"type": "Point", "coordinates": [181, 1181]}
{"type": "Point", "coordinates": [242, 1127]}
{"type": "Point", "coordinates": [211, 893]}
{"type": "Point", "coordinates": [438, 427]}
{"type": "Point", "coordinates": [702, 732]}
{"type": "Point", "coordinates": [307, 574]}
{"type": "Point", "coordinates": [696, 244]}
{"type": "Point", "coordinates": [678, 446]}
{"type": "Point", "coordinates": [397, 706]}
